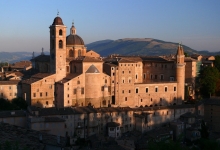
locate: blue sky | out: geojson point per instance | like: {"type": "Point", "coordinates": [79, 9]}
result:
{"type": "Point", "coordinates": [25, 24]}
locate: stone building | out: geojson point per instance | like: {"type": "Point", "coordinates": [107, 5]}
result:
{"type": "Point", "coordinates": [73, 76]}
{"type": "Point", "coordinates": [10, 89]}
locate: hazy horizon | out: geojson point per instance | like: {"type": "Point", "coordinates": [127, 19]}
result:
{"type": "Point", "coordinates": [25, 24]}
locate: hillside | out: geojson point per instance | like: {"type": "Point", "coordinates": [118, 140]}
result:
{"type": "Point", "coordinates": [12, 57]}
{"type": "Point", "coordinates": [138, 46]}
{"type": "Point", "coordinates": [126, 46]}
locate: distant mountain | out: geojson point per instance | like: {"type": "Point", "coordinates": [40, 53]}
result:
{"type": "Point", "coordinates": [12, 57]}
{"type": "Point", "coordinates": [126, 46]}
{"type": "Point", "coordinates": [139, 46]}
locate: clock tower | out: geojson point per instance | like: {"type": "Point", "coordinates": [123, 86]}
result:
{"type": "Point", "coordinates": [58, 48]}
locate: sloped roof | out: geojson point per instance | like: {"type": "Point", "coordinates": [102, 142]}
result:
{"type": "Point", "coordinates": [92, 69]}
{"type": "Point", "coordinates": [42, 58]}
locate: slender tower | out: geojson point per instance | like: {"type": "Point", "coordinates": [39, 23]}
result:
{"type": "Point", "coordinates": [58, 48]}
{"type": "Point", "coordinates": [180, 74]}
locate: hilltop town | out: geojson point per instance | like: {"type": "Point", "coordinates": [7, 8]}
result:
{"type": "Point", "coordinates": [75, 96]}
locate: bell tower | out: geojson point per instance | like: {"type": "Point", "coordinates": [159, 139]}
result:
{"type": "Point", "coordinates": [180, 74]}
{"type": "Point", "coordinates": [58, 48]}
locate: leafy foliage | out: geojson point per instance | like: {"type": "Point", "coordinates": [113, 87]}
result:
{"type": "Point", "coordinates": [208, 81]}
{"type": "Point", "coordinates": [20, 103]}
{"type": "Point", "coordinates": [217, 62]}
{"type": "Point", "coordinates": [17, 103]}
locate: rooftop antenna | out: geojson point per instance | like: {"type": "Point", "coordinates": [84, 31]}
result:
{"type": "Point", "coordinates": [57, 12]}
{"type": "Point", "coordinates": [42, 53]}
{"type": "Point", "coordinates": [73, 22]}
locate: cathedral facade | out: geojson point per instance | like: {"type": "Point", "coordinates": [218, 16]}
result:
{"type": "Point", "coordinates": [74, 76]}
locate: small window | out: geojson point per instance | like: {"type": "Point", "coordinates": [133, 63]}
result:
{"type": "Point", "coordinates": [174, 88]}
{"type": "Point", "coordinates": [60, 44]}
{"type": "Point", "coordinates": [122, 72]}
{"type": "Point", "coordinates": [136, 76]}
{"type": "Point", "coordinates": [60, 32]}
{"type": "Point", "coordinates": [34, 94]}
{"type": "Point", "coordinates": [46, 93]}
{"type": "Point", "coordinates": [161, 77]}
{"type": "Point", "coordinates": [105, 80]}
{"type": "Point", "coordinates": [136, 90]}
{"type": "Point", "coordinates": [156, 89]}
{"type": "Point", "coordinates": [146, 90]}
{"type": "Point", "coordinates": [126, 99]}
{"type": "Point", "coordinates": [144, 75]}
{"type": "Point", "coordinates": [165, 89]}
{"type": "Point", "coordinates": [129, 91]}
{"type": "Point", "coordinates": [122, 91]}
{"type": "Point", "coordinates": [41, 94]}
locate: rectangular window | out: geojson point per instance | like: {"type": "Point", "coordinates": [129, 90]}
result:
{"type": "Point", "coordinates": [151, 76]}
{"type": "Point", "coordinates": [129, 91]}
{"type": "Point", "coordinates": [40, 94]}
{"type": "Point", "coordinates": [161, 77]}
{"type": "Point", "coordinates": [146, 90]}
{"type": "Point", "coordinates": [144, 75]}
{"type": "Point", "coordinates": [46, 93]}
{"type": "Point", "coordinates": [136, 76]}
{"type": "Point", "coordinates": [165, 89]}
{"type": "Point", "coordinates": [126, 99]}
{"type": "Point", "coordinates": [136, 90]}
{"type": "Point", "coordinates": [82, 90]}
{"type": "Point", "coordinates": [174, 88]}
{"type": "Point", "coordinates": [9, 87]}
{"type": "Point", "coordinates": [156, 89]}
{"type": "Point", "coordinates": [171, 78]}
{"type": "Point", "coordinates": [122, 91]}
{"type": "Point", "coordinates": [34, 94]}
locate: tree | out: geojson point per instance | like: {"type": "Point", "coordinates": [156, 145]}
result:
{"type": "Point", "coordinates": [209, 78]}
{"type": "Point", "coordinates": [217, 62]}
{"type": "Point", "coordinates": [20, 103]}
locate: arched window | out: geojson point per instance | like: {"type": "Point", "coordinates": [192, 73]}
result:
{"type": "Point", "coordinates": [71, 53]}
{"type": "Point", "coordinates": [60, 32]}
{"type": "Point", "coordinates": [79, 53]}
{"type": "Point", "coordinates": [60, 44]}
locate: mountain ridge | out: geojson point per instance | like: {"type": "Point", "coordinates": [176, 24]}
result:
{"type": "Point", "coordinates": [125, 46]}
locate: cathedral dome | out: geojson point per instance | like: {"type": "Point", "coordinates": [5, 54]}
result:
{"type": "Point", "coordinates": [57, 21]}
{"type": "Point", "coordinates": [74, 39]}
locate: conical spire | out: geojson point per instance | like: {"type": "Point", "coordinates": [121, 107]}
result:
{"type": "Point", "coordinates": [180, 50]}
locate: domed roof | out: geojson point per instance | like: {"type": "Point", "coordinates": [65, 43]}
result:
{"type": "Point", "coordinates": [57, 21]}
{"type": "Point", "coordinates": [74, 39]}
